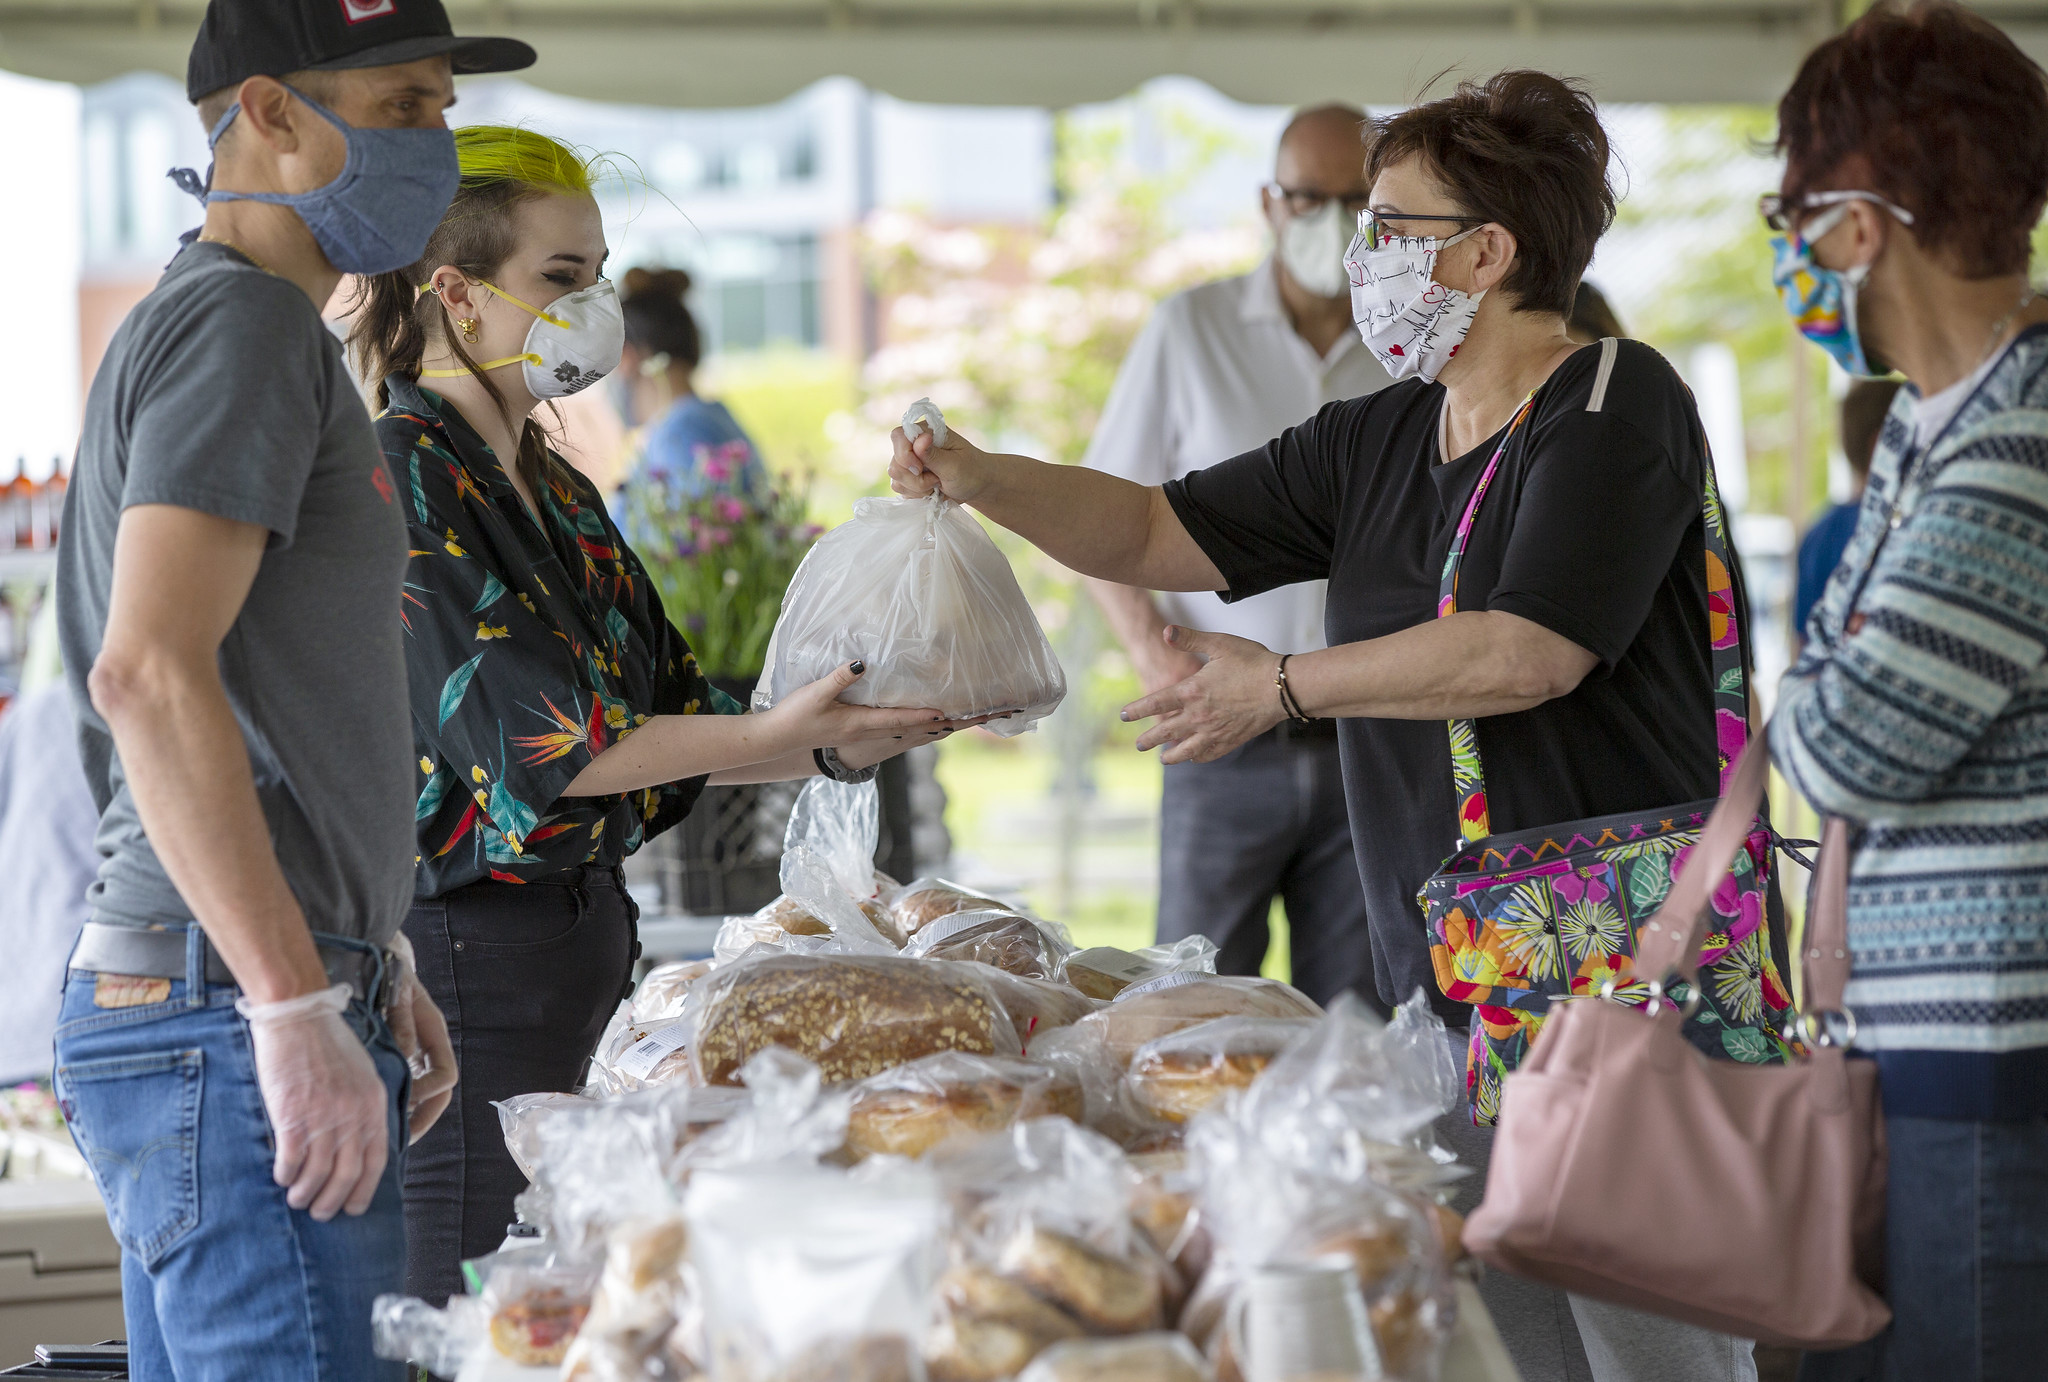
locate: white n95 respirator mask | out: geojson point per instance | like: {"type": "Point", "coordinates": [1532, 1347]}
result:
{"type": "Point", "coordinates": [574, 341]}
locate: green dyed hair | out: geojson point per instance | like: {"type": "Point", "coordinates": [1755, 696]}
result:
{"type": "Point", "coordinates": [395, 322]}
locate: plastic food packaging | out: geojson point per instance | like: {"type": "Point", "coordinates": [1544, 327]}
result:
{"type": "Point", "coordinates": [1172, 1002]}
{"type": "Point", "coordinates": [407, 1329]}
{"type": "Point", "coordinates": [1183, 1074]}
{"type": "Point", "coordinates": [1015, 944]}
{"type": "Point", "coordinates": [1034, 1005]}
{"type": "Point", "coordinates": [919, 591]}
{"type": "Point", "coordinates": [990, 1327]}
{"type": "Point", "coordinates": [916, 1107]}
{"type": "Point", "coordinates": [810, 1274]}
{"type": "Point", "coordinates": [521, 1117]}
{"type": "Point", "coordinates": [1156, 1357]}
{"type": "Point", "coordinates": [1046, 1206]}
{"type": "Point", "coordinates": [659, 997]}
{"type": "Point", "coordinates": [1105, 971]}
{"type": "Point", "coordinates": [854, 1015]}
{"type": "Point", "coordinates": [635, 1055]}
{"type": "Point", "coordinates": [626, 1336]}
{"type": "Point", "coordinates": [922, 901]}
{"type": "Point", "coordinates": [536, 1304]}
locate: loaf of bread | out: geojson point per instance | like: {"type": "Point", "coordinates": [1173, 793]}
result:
{"type": "Point", "coordinates": [1180, 1075]}
{"type": "Point", "coordinates": [990, 1327]}
{"type": "Point", "coordinates": [924, 901]}
{"type": "Point", "coordinates": [534, 1329]}
{"type": "Point", "coordinates": [851, 1016]}
{"type": "Point", "coordinates": [1107, 1293]}
{"type": "Point", "coordinates": [1156, 1357]}
{"type": "Point", "coordinates": [1012, 943]}
{"type": "Point", "coordinates": [913, 1108]}
{"type": "Point", "coordinates": [1174, 1002]}
{"type": "Point", "coordinates": [1036, 1005]}
{"type": "Point", "coordinates": [1105, 971]}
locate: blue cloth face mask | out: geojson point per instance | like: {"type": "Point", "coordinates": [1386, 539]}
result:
{"type": "Point", "coordinates": [380, 210]}
{"type": "Point", "coordinates": [1822, 301]}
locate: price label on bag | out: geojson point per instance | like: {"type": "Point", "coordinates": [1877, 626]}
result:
{"type": "Point", "coordinates": [650, 1050]}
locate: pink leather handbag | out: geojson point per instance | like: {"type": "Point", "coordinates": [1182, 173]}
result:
{"type": "Point", "coordinates": [1743, 1198]}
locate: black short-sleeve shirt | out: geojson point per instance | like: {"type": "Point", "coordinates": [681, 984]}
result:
{"type": "Point", "coordinates": [1593, 527]}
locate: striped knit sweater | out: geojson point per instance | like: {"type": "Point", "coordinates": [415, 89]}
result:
{"type": "Point", "coordinates": [1927, 728]}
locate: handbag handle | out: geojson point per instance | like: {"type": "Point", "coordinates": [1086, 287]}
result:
{"type": "Point", "coordinates": [1670, 943]}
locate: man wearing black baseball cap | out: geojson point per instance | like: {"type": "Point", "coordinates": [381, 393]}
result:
{"type": "Point", "coordinates": [242, 1051]}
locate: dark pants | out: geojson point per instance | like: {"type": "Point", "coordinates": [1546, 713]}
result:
{"type": "Point", "coordinates": [528, 975]}
{"type": "Point", "coordinates": [1966, 1257]}
{"type": "Point", "coordinates": [1267, 820]}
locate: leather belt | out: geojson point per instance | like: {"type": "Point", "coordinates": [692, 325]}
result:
{"type": "Point", "coordinates": [160, 954]}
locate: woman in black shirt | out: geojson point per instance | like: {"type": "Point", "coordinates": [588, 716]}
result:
{"type": "Point", "coordinates": [559, 717]}
{"type": "Point", "coordinates": [1587, 603]}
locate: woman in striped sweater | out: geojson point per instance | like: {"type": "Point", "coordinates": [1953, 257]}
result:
{"type": "Point", "coordinates": [1916, 146]}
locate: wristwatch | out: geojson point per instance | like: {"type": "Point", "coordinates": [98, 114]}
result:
{"type": "Point", "coordinates": [830, 765]}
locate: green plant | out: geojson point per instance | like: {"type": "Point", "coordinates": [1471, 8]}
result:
{"type": "Point", "coordinates": [721, 559]}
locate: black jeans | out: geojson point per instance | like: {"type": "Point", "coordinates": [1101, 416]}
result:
{"type": "Point", "coordinates": [528, 975]}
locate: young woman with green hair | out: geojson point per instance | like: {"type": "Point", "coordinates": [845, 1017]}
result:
{"type": "Point", "coordinates": [558, 716]}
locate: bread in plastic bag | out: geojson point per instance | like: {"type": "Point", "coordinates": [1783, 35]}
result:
{"type": "Point", "coordinates": [1155, 1357]}
{"type": "Point", "coordinates": [913, 1108]}
{"type": "Point", "coordinates": [627, 1335]}
{"type": "Point", "coordinates": [1104, 971]}
{"type": "Point", "coordinates": [853, 1015]}
{"type": "Point", "coordinates": [1034, 1005]}
{"type": "Point", "coordinates": [989, 1327]}
{"type": "Point", "coordinates": [830, 885]}
{"type": "Point", "coordinates": [407, 1329]}
{"type": "Point", "coordinates": [921, 593]}
{"type": "Point", "coordinates": [659, 997]}
{"type": "Point", "coordinates": [1184, 1073]}
{"type": "Point", "coordinates": [536, 1300]}
{"type": "Point", "coordinates": [1172, 1002]}
{"type": "Point", "coordinates": [520, 1118]}
{"type": "Point", "coordinates": [922, 901]}
{"type": "Point", "coordinates": [1010, 942]}
{"type": "Point", "coordinates": [813, 1272]}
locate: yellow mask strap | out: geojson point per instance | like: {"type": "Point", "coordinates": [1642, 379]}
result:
{"type": "Point", "coordinates": [529, 358]}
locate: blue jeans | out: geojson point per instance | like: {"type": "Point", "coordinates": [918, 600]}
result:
{"type": "Point", "coordinates": [1966, 1257]}
{"type": "Point", "coordinates": [222, 1281]}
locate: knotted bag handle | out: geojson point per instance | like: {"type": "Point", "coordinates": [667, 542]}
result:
{"type": "Point", "coordinates": [1670, 941]}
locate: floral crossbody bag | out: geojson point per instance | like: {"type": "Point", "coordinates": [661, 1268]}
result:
{"type": "Point", "coordinates": [1520, 921]}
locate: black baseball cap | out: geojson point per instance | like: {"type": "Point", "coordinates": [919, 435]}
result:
{"type": "Point", "coordinates": [239, 39]}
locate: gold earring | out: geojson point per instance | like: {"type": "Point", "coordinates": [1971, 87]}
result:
{"type": "Point", "coordinates": [469, 326]}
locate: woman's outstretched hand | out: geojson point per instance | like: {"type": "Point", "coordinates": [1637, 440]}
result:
{"type": "Point", "coordinates": [813, 716]}
{"type": "Point", "coordinates": [922, 465]}
{"type": "Point", "coordinates": [1230, 701]}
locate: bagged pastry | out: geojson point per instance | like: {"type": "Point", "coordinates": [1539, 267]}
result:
{"type": "Point", "coordinates": [1173, 1002]}
{"type": "Point", "coordinates": [989, 1327]}
{"type": "Point", "coordinates": [1159, 1357]}
{"type": "Point", "coordinates": [659, 997]}
{"type": "Point", "coordinates": [913, 1108]}
{"type": "Point", "coordinates": [830, 885]}
{"type": "Point", "coordinates": [853, 1015]}
{"type": "Point", "coordinates": [1015, 944]}
{"type": "Point", "coordinates": [917, 589]}
{"type": "Point", "coordinates": [536, 1300]}
{"type": "Point", "coordinates": [1105, 971]}
{"type": "Point", "coordinates": [815, 1273]}
{"type": "Point", "coordinates": [1182, 1074]}
{"type": "Point", "coordinates": [922, 901]}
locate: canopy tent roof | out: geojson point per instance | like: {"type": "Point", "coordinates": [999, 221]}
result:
{"type": "Point", "coordinates": [1052, 52]}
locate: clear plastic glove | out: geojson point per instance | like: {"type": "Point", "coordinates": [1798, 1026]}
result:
{"type": "Point", "coordinates": [326, 1102]}
{"type": "Point", "coordinates": [421, 1035]}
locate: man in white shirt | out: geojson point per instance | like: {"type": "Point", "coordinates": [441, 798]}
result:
{"type": "Point", "coordinates": [1219, 370]}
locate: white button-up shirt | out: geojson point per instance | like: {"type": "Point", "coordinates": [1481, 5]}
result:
{"type": "Point", "coordinates": [1217, 372]}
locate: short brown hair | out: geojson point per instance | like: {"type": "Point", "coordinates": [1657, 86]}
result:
{"type": "Point", "coordinates": [1526, 151]}
{"type": "Point", "coordinates": [1935, 108]}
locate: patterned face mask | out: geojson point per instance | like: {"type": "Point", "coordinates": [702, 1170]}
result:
{"type": "Point", "coordinates": [1821, 301]}
{"type": "Point", "coordinates": [1411, 323]}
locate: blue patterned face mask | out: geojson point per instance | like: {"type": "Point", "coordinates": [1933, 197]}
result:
{"type": "Point", "coordinates": [1821, 301]}
{"type": "Point", "coordinates": [383, 206]}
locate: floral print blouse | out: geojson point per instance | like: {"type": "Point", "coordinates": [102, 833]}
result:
{"type": "Point", "coordinates": [530, 649]}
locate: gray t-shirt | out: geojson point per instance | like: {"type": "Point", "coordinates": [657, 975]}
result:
{"type": "Point", "coordinates": [225, 393]}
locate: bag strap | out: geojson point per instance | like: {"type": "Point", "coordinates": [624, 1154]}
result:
{"type": "Point", "coordinates": [1726, 639]}
{"type": "Point", "coordinates": [1670, 940]}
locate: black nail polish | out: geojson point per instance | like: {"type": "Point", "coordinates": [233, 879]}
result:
{"type": "Point", "coordinates": [859, 667]}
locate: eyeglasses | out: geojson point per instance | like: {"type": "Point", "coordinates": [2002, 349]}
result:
{"type": "Point", "coordinates": [1306, 201]}
{"type": "Point", "coordinates": [1378, 227]}
{"type": "Point", "coordinates": [1783, 214]}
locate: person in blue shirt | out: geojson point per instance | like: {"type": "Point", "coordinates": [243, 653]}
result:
{"type": "Point", "coordinates": [1820, 551]}
{"type": "Point", "coordinates": [694, 445]}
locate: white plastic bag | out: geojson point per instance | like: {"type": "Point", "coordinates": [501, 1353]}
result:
{"type": "Point", "coordinates": [918, 591]}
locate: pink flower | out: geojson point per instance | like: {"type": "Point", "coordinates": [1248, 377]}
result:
{"type": "Point", "coordinates": [1731, 735]}
{"type": "Point", "coordinates": [1577, 887]}
{"type": "Point", "coordinates": [729, 509]}
{"type": "Point", "coordinates": [717, 537]}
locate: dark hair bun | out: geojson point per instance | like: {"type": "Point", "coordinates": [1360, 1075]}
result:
{"type": "Point", "coordinates": [667, 283]}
